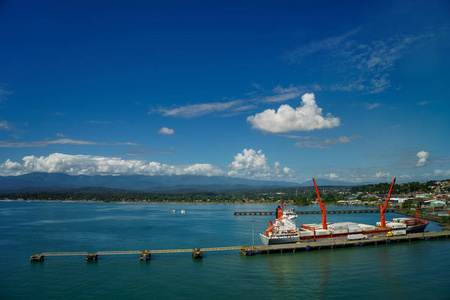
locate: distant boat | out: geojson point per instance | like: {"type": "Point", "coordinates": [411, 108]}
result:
{"type": "Point", "coordinates": [174, 210]}
{"type": "Point", "coordinates": [183, 211]}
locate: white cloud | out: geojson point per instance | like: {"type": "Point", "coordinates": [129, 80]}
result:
{"type": "Point", "coordinates": [278, 94]}
{"type": "Point", "coordinates": [383, 175]}
{"type": "Point", "coordinates": [324, 45]}
{"type": "Point", "coordinates": [46, 143]}
{"type": "Point", "coordinates": [167, 131]}
{"type": "Point", "coordinates": [201, 169]}
{"type": "Point", "coordinates": [196, 110]}
{"type": "Point", "coordinates": [366, 66]}
{"type": "Point", "coordinates": [4, 125]}
{"type": "Point", "coordinates": [340, 140]}
{"type": "Point", "coordinates": [281, 97]}
{"type": "Point", "coordinates": [423, 157]}
{"type": "Point", "coordinates": [348, 88]}
{"type": "Point", "coordinates": [441, 173]}
{"type": "Point", "coordinates": [251, 163]}
{"type": "Point", "coordinates": [304, 118]}
{"type": "Point", "coordinates": [99, 165]}
{"type": "Point", "coordinates": [326, 143]}
{"type": "Point", "coordinates": [370, 106]}
{"type": "Point", "coordinates": [331, 176]}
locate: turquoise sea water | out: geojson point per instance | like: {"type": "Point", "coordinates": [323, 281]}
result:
{"type": "Point", "coordinates": [417, 270]}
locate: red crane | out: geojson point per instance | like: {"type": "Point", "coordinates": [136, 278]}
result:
{"type": "Point", "coordinates": [322, 208]}
{"type": "Point", "coordinates": [386, 202]}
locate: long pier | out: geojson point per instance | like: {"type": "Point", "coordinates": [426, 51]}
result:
{"type": "Point", "coordinates": [144, 255]}
{"type": "Point", "coordinates": [303, 246]}
{"type": "Point", "coordinates": [313, 212]}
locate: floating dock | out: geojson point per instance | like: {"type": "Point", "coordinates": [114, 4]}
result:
{"type": "Point", "coordinates": [253, 250]}
{"type": "Point", "coordinates": [313, 212]}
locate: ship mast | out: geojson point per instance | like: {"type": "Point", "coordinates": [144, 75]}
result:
{"type": "Point", "coordinates": [322, 208]}
{"type": "Point", "coordinates": [386, 202]}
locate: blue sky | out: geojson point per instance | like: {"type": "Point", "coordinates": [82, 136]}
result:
{"type": "Point", "coordinates": [280, 90]}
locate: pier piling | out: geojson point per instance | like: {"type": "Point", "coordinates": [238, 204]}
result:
{"type": "Point", "coordinates": [92, 257]}
{"type": "Point", "coordinates": [146, 255]}
{"type": "Point", "coordinates": [37, 258]}
{"type": "Point", "coordinates": [196, 253]}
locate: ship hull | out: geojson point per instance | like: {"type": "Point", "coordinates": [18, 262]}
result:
{"type": "Point", "coordinates": [416, 228]}
{"type": "Point", "coordinates": [274, 240]}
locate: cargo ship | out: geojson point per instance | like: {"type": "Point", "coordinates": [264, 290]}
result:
{"type": "Point", "coordinates": [413, 225]}
{"type": "Point", "coordinates": [284, 230]}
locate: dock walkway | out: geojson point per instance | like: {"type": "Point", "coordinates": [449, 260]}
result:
{"type": "Point", "coordinates": [311, 212]}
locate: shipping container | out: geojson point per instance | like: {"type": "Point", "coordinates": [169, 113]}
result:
{"type": "Point", "coordinates": [399, 232]}
{"type": "Point", "coordinates": [352, 237]}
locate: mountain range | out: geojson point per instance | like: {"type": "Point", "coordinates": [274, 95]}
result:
{"type": "Point", "coordinates": [40, 182]}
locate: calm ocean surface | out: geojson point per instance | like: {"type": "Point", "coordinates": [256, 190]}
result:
{"type": "Point", "coordinates": [417, 270]}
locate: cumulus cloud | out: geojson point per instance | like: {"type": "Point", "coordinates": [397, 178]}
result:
{"type": "Point", "coordinates": [167, 131]}
{"type": "Point", "coordinates": [99, 165]}
{"type": "Point", "coordinates": [383, 175]}
{"type": "Point", "coordinates": [307, 117]}
{"type": "Point", "coordinates": [249, 164]}
{"type": "Point", "coordinates": [254, 164]}
{"type": "Point", "coordinates": [332, 176]}
{"type": "Point", "coordinates": [250, 161]}
{"type": "Point", "coordinates": [423, 157]}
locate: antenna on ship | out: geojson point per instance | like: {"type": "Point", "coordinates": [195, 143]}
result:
{"type": "Point", "coordinates": [386, 202]}
{"type": "Point", "coordinates": [322, 207]}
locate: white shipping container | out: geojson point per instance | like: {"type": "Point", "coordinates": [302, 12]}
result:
{"type": "Point", "coordinates": [351, 237]}
{"type": "Point", "coordinates": [320, 232]}
{"type": "Point", "coordinates": [399, 232]}
{"type": "Point", "coordinates": [396, 225]}
{"type": "Point", "coordinates": [340, 231]}
{"type": "Point", "coordinates": [354, 229]}
{"type": "Point", "coordinates": [366, 227]}
{"type": "Point", "coordinates": [314, 225]}
{"type": "Point", "coordinates": [306, 232]}
{"type": "Point", "coordinates": [338, 226]}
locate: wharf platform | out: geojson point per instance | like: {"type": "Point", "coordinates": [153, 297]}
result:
{"type": "Point", "coordinates": [304, 246]}
{"type": "Point", "coordinates": [313, 212]}
{"type": "Point", "coordinates": [341, 243]}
